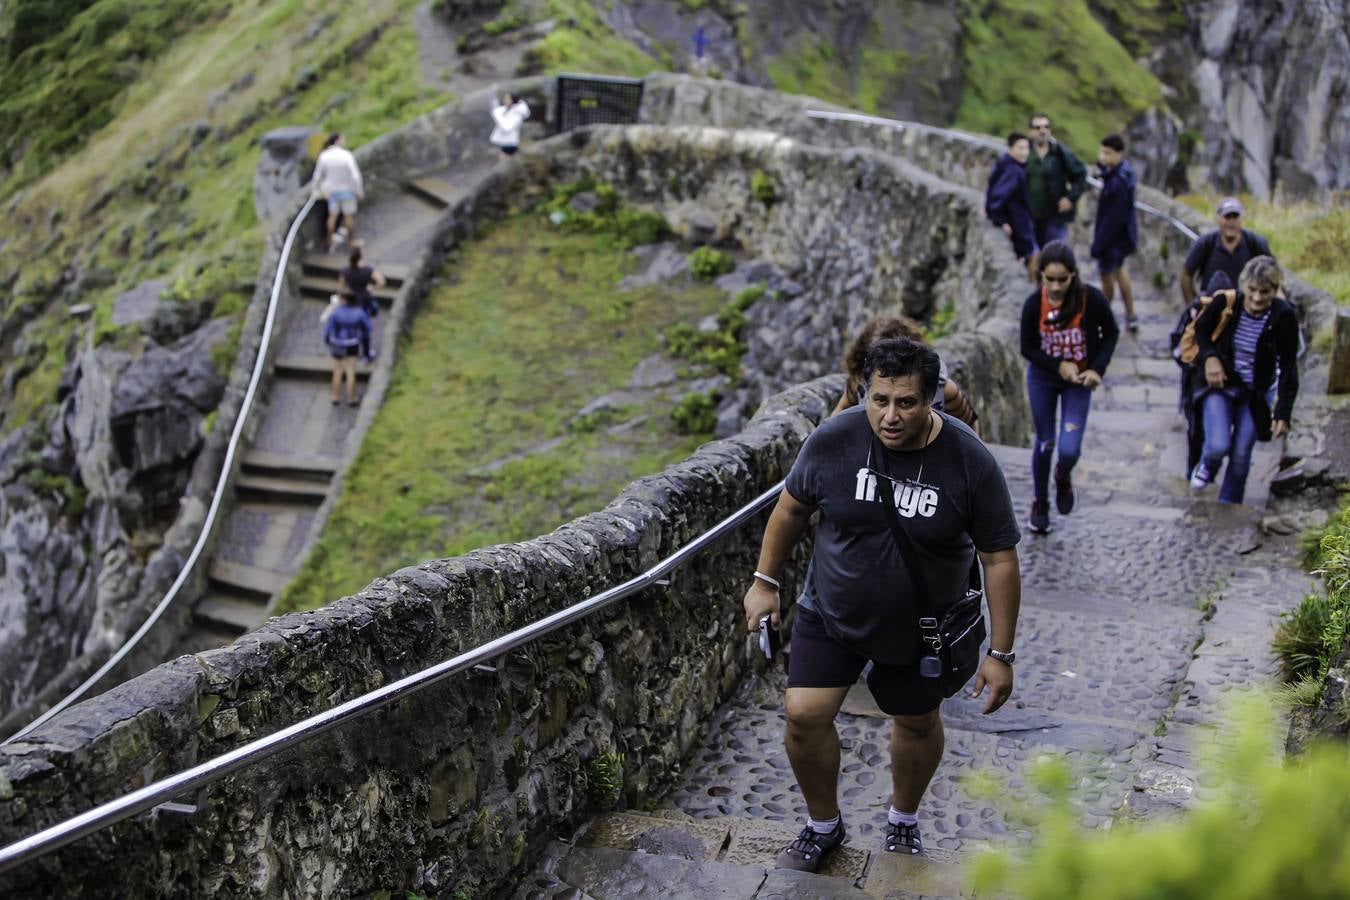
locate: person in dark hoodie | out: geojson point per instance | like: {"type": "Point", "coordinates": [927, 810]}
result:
{"type": "Point", "coordinates": [1242, 363]}
{"type": "Point", "coordinates": [1116, 233]}
{"type": "Point", "coordinates": [1006, 202]}
{"type": "Point", "coordinates": [1192, 383]}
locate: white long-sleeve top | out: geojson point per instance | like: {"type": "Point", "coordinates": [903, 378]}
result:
{"type": "Point", "coordinates": [508, 120]}
{"type": "Point", "coordinates": [336, 170]}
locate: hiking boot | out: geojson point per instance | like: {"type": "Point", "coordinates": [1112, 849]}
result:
{"type": "Point", "coordinates": [903, 839]}
{"type": "Point", "coordinates": [1201, 476]}
{"type": "Point", "coordinates": [1132, 323]}
{"type": "Point", "coordinates": [1039, 521]}
{"type": "Point", "coordinates": [808, 849]}
{"type": "Point", "coordinates": [1064, 496]}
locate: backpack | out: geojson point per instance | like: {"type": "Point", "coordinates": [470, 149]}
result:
{"type": "Point", "coordinates": [1188, 350]}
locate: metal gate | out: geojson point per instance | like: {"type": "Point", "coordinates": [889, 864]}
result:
{"type": "Point", "coordinates": [595, 100]}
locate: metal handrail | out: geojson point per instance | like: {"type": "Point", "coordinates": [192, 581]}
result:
{"type": "Point", "coordinates": [62, 833]}
{"type": "Point", "coordinates": [979, 141]}
{"type": "Point", "coordinates": [217, 494]}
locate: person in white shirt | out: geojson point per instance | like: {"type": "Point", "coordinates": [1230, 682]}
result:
{"type": "Point", "coordinates": [508, 116]}
{"type": "Point", "coordinates": [337, 178]}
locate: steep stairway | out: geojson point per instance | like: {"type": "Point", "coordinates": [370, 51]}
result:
{"type": "Point", "coordinates": [303, 440]}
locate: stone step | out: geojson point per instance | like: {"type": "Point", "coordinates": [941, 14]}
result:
{"type": "Point", "coordinates": [329, 264]}
{"type": "Point", "coordinates": [238, 578]}
{"type": "Point", "coordinates": [228, 614]}
{"type": "Point", "coordinates": [321, 287]}
{"type": "Point", "coordinates": [296, 490]}
{"type": "Point", "coordinates": [313, 368]}
{"type": "Point", "coordinates": [291, 466]}
{"type": "Point", "coordinates": [670, 855]}
{"type": "Point", "coordinates": [437, 191]}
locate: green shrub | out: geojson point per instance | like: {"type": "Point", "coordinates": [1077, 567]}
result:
{"type": "Point", "coordinates": [629, 227]}
{"type": "Point", "coordinates": [707, 263]}
{"type": "Point", "coordinates": [1265, 830]}
{"type": "Point", "coordinates": [504, 23]}
{"type": "Point", "coordinates": [763, 188]}
{"type": "Point", "coordinates": [747, 297]}
{"type": "Point", "coordinates": [695, 414]}
{"type": "Point", "coordinates": [1298, 642]}
{"type": "Point", "coordinates": [604, 779]}
{"type": "Point", "coordinates": [943, 321]}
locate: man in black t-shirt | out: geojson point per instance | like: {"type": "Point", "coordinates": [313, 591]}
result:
{"type": "Point", "coordinates": [1226, 249]}
{"type": "Point", "coordinates": [859, 603]}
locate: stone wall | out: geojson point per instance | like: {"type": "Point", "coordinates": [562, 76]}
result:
{"type": "Point", "coordinates": [451, 788]}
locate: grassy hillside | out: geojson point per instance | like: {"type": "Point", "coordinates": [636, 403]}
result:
{"type": "Point", "coordinates": [476, 442]}
{"type": "Point", "coordinates": [163, 187]}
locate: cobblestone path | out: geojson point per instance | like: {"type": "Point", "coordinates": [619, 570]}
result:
{"type": "Point", "coordinates": [1140, 612]}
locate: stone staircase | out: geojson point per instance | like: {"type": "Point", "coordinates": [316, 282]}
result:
{"type": "Point", "coordinates": [303, 441]}
{"type": "Point", "coordinates": [1141, 613]}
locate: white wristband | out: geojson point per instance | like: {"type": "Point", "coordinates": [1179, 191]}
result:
{"type": "Point", "coordinates": [773, 581]}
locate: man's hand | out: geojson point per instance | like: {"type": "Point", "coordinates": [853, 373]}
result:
{"type": "Point", "coordinates": [1068, 371]}
{"type": "Point", "coordinates": [1064, 205]}
{"type": "Point", "coordinates": [999, 678]}
{"type": "Point", "coordinates": [1214, 375]}
{"type": "Point", "coordinates": [1090, 379]}
{"type": "Point", "coordinates": [760, 599]}
{"type": "Point", "coordinates": [1279, 428]}
{"type": "Point", "coordinates": [1007, 229]}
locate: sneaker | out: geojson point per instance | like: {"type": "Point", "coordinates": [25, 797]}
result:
{"type": "Point", "coordinates": [807, 851]}
{"type": "Point", "coordinates": [1064, 496]}
{"type": "Point", "coordinates": [1201, 476]}
{"type": "Point", "coordinates": [903, 839]}
{"type": "Point", "coordinates": [1132, 323]}
{"type": "Point", "coordinates": [1039, 521]}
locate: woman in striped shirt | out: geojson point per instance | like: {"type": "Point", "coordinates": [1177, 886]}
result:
{"type": "Point", "coordinates": [1242, 365]}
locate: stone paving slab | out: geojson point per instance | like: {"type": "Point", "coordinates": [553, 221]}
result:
{"type": "Point", "coordinates": [688, 839]}
{"type": "Point", "coordinates": [608, 874]}
{"type": "Point", "coordinates": [759, 843]}
{"type": "Point", "coordinates": [935, 873]}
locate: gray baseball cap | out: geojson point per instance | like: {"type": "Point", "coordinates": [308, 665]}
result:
{"type": "Point", "coordinates": [1230, 205]}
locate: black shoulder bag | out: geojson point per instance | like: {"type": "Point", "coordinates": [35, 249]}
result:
{"type": "Point", "coordinates": [954, 638]}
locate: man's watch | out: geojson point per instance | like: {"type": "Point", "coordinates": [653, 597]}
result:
{"type": "Point", "coordinates": [1005, 658]}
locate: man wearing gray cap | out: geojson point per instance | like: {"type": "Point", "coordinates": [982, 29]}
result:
{"type": "Point", "coordinates": [1226, 249]}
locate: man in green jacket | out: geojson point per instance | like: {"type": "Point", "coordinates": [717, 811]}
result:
{"type": "Point", "coordinates": [1055, 180]}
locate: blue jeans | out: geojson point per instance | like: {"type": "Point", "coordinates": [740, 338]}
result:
{"type": "Point", "coordinates": [1230, 431]}
{"type": "Point", "coordinates": [1050, 394]}
{"type": "Point", "coordinates": [1051, 229]}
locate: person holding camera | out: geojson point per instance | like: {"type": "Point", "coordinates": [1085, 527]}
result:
{"type": "Point", "coordinates": [908, 498]}
{"type": "Point", "coordinates": [1068, 337]}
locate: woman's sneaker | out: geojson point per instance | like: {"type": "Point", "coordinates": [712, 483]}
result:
{"type": "Point", "coordinates": [808, 849]}
{"type": "Point", "coordinates": [1039, 520]}
{"type": "Point", "coordinates": [1201, 476]}
{"type": "Point", "coordinates": [903, 839]}
{"type": "Point", "coordinates": [1064, 496]}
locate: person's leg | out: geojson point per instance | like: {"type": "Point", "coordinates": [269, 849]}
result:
{"type": "Point", "coordinates": [1109, 286]}
{"type": "Point", "coordinates": [916, 749]}
{"type": "Point", "coordinates": [1044, 396]}
{"type": "Point", "coordinates": [349, 373]}
{"type": "Point", "coordinates": [332, 221]}
{"type": "Point", "coordinates": [349, 219]}
{"type": "Point", "coordinates": [1126, 291]}
{"type": "Point", "coordinates": [1075, 402]}
{"type": "Point", "coordinates": [1234, 486]}
{"type": "Point", "coordinates": [1218, 420]}
{"type": "Point", "coordinates": [337, 377]}
{"type": "Point", "coordinates": [813, 746]}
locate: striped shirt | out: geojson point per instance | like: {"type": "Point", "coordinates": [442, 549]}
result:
{"type": "Point", "coordinates": [1248, 332]}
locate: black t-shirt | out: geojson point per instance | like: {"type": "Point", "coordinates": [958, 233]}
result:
{"type": "Point", "coordinates": [1208, 255]}
{"type": "Point", "coordinates": [952, 499]}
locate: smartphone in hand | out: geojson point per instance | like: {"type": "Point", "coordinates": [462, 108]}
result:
{"type": "Point", "coordinates": [769, 640]}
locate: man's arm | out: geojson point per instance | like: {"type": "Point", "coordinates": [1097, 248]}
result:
{"type": "Point", "coordinates": [1187, 285]}
{"type": "Point", "coordinates": [1003, 592]}
{"type": "Point", "coordinates": [786, 525]}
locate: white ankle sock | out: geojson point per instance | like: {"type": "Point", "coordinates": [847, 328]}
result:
{"type": "Point", "coordinates": [896, 817]}
{"type": "Point", "coordinates": [823, 827]}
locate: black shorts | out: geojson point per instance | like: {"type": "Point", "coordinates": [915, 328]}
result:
{"type": "Point", "coordinates": [341, 352]}
{"type": "Point", "coordinates": [818, 660]}
{"type": "Point", "coordinates": [509, 150]}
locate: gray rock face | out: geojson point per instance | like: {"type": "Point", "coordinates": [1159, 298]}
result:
{"type": "Point", "coordinates": [138, 304]}
{"type": "Point", "coordinates": [281, 171]}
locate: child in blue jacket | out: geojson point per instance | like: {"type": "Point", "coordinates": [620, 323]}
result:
{"type": "Point", "coordinates": [347, 334]}
{"type": "Point", "coordinates": [1007, 203]}
{"type": "Point", "coordinates": [1116, 234]}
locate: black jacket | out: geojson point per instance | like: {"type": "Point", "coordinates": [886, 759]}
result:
{"type": "Point", "coordinates": [1277, 346]}
{"type": "Point", "coordinates": [1099, 328]}
{"type": "Point", "coordinates": [1065, 176]}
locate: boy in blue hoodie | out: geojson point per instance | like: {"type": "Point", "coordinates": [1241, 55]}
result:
{"type": "Point", "coordinates": [1116, 234]}
{"type": "Point", "coordinates": [1007, 203]}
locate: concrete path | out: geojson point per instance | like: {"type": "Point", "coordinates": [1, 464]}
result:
{"type": "Point", "coordinates": [302, 440]}
{"type": "Point", "coordinates": [1121, 672]}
